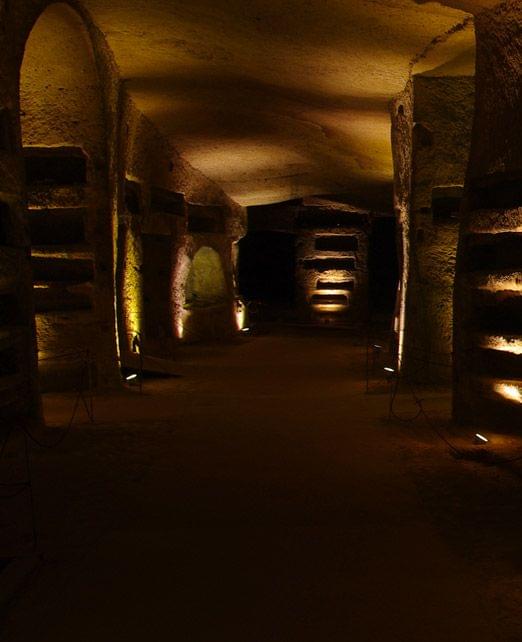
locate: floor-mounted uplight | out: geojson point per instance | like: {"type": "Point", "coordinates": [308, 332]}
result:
{"type": "Point", "coordinates": [390, 372]}
{"type": "Point", "coordinates": [480, 439]}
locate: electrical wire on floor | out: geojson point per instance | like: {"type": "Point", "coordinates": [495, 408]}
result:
{"type": "Point", "coordinates": [481, 455]}
{"type": "Point", "coordinates": [84, 382]}
{"type": "Point", "coordinates": [421, 412]}
{"type": "Point", "coordinates": [26, 485]}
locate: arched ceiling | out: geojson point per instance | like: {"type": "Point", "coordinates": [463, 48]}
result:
{"type": "Point", "coordinates": [276, 99]}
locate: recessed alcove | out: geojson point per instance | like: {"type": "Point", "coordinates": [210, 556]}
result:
{"type": "Point", "coordinates": [55, 166]}
{"type": "Point", "coordinates": [494, 252]}
{"type": "Point", "coordinates": [337, 243]}
{"type": "Point", "coordinates": [57, 226]}
{"type": "Point", "coordinates": [206, 284]}
{"type": "Point", "coordinates": [329, 299]}
{"type": "Point", "coordinates": [326, 264]}
{"type": "Point", "coordinates": [133, 197]}
{"type": "Point", "coordinates": [335, 285]}
{"type": "Point", "coordinates": [317, 218]}
{"type": "Point", "coordinates": [164, 201]}
{"type": "Point", "coordinates": [63, 270]}
{"type": "Point", "coordinates": [496, 191]}
{"type": "Point", "coordinates": [205, 219]}
{"type": "Point", "coordinates": [445, 204]}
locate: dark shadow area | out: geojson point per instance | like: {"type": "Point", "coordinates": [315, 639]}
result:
{"type": "Point", "coordinates": [383, 266]}
{"type": "Point", "coordinates": [266, 265]}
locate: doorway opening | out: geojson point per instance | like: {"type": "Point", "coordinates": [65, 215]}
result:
{"type": "Point", "coordinates": [383, 268]}
{"type": "Point", "coordinates": [267, 272]}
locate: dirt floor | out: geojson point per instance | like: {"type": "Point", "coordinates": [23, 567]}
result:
{"type": "Point", "coordinates": [264, 496]}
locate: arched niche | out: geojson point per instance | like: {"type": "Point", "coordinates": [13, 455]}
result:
{"type": "Point", "coordinates": [64, 146]}
{"type": "Point", "coordinates": [60, 89]}
{"type": "Point", "coordinates": [206, 283]}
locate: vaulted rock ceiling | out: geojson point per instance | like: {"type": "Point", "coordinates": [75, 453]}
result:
{"type": "Point", "coordinates": [276, 99]}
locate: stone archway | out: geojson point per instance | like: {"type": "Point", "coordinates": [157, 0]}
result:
{"type": "Point", "coordinates": [65, 154]}
{"type": "Point", "coordinates": [206, 284]}
{"type": "Point", "coordinates": [208, 310]}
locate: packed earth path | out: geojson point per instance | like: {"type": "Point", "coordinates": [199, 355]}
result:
{"type": "Point", "coordinates": [263, 496]}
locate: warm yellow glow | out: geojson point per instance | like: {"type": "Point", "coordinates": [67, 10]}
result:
{"type": "Point", "coordinates": [401, 321]}
{"type": "Point", "coordinates": [179, 277]}
{"type": "Point", "coordinates": [329, 307]}
{"type": "Point", "coordinates": [205, 284]}
{"type": "Point", "coordinates": [181, 321]}
{"type": "Point", "coordinates": [244, 157]}
{"type": "Point", "coordinates": [179, 328]}
{"type": "Point", "coordinates": [132, 285]}
{"type": "Point", "coordinates": [333, 292]}
{"type": "Point", "coordinates": [510, 282]}
{"type": "Point", "coordinates": [503, 344]}
{"type": "Point", "coordinates": [512, 392]}
{"type": "Point", "coordinates": [241, 315]}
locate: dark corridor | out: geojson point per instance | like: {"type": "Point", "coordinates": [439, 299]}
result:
{"type": "Point", "coordinates": [383, 266]}
{"type": "Point", "coordinates": [266, 268]}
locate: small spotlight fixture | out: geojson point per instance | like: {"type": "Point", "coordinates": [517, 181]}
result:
{"type": "Point", "coordinates": [389, 370]}
{"type": "Point", "coordinates": [245, 329]}
{"type": "Point", "coordinates": [376, 346]}
{"type": "Point", "coordinates": [480, 439]}
{"type": "Point", "coordinates": [131, 377]}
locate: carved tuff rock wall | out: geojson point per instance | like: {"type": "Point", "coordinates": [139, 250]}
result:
{"type": "Point", "coordinates": [93, 197]}
{"type": "Point", "coordinates": [488, 303]}
{"type": "Point", "coordinates": [168, 213]}
{"type": "Point", "coordinates": [332, 264]}
{"type": "Point", "coordinates": [442, 115]}
{"type": "Point", "coordinates": [330, 270]}
{"type": "Point", "coordinates": [63, 137]}
{"type": "Point", "coordinates": [402, 143]}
